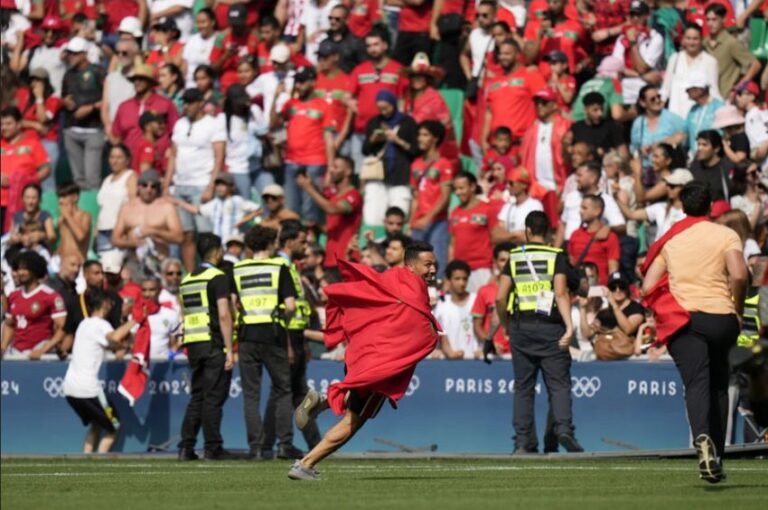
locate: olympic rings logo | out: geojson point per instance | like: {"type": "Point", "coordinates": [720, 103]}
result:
{"type": "Point", "coordinates": [585, 386]}
{"type": "Point", "coordinates": [235, 389]}
{"type": "Point", "coordinates": [54, 386]}
{"type": "Point", "coordinates": [413, 385]}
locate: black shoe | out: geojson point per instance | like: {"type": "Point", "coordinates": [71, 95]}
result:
{"type": "Point", "coordinates": [551, 448]}
{"type": "Point", "coordinates": [186, 454]}
{"type": "Point", "coordinates": [570, 444]}
{"type": "Point", "coordinates": [290, 452]}
{"type": "Point", "coordinates": [220, 454]}
{"type": "Point", "coordinates": [710, 468]}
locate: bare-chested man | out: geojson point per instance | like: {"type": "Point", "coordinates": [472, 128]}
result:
{"type": "Point", "coordinates": [74, 224]}
{"type": "Point", "coordinates": [147, 218]}
{"type": "Point", "coordinates": [273, 200]}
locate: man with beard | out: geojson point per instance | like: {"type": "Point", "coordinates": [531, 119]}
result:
{"type": "Point", "coordinates": [170, 275]}
{"type": "Point", "coordinates": [93, 272]}
{"type": "Point", "coordinates": [395, 246]}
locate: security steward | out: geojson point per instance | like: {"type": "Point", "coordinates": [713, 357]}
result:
{"type": "Point", "coordinates": [267, 302]}
{"type": "Point", "coordinates": [293, 247]}
{"type": "Point", "coordinates": [750, 322]}
{"type": "Point", "coordinates": [205, 302]}
{"type": "Point", "coordinates": [533, 291]}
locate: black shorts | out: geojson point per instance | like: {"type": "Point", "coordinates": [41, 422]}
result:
{"type": "Point", "coordinates": [98, 410]}
{"type": "Point", "coordinates": [367, 405]}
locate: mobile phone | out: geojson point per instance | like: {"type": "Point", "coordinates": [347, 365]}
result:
{"type": "Point", "coordinates": [596, 291]}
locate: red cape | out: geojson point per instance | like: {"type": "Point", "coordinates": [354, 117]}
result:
{"type": "Point", "coordinates": [136, 374]}
{"type": "Point", "coordinates": [389, 327]}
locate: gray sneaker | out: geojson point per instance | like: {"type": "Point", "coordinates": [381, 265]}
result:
{"type": "Point", "coordinates": [299, 472]}
{"type": "Point", "coordinates": [308, 409]}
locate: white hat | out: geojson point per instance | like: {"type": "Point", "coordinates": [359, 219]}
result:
{"type": "Point", "coordinates": [112, 261]}
{"type": "Point", "coordinates": [273, 190]}
{"type": "Point", "coordinates": [280, 53]}
{"type": "Point", "coordinates": [131, 25]}
{"type": "Point", "coordinates": [679, 177]}
{"type": "Point", "coordinates": [697, 79]}
{"type": "Point", "coordinates": [77, 45]}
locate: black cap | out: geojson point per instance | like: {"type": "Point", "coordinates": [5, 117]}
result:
{"type": "Point", "coordinates": [149, 116]}
{"type": "Point", "coordinates": [149, 177]}
{"type": "Point", "coordinates": [165, 24]}
{"type": "Point", "coordinates": [617, 277]}
{"type": "Point", "coordinates": [327, 48]}
{"type": "Point", "coordinates": [237, 14]}
{"type": "Point", "coordinates": [192, 96]}
{"type": "Point", "coordinates": [305, 73]}
{"type": "Point", "coordinates": [556, 56]}
{"type": "Point", "coordinates": [639, 7]}
{"type": "Point", "coordinates": [225, 178]}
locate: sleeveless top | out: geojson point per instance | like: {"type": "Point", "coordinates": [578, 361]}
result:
{"type": "Point", "coordinates": [112, 194]}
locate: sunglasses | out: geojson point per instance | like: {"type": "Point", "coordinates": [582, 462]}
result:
{"type": "Point", "coordinates": [653, 98]}
{"type": "Point", "coordinates": [173, 273]}
{"type": "Point", "coordinates": [335, 18]}
{"type": "Point", "coordinates": [153, 185]}
{"type": "Point", "coordinates": [269, 197]}
{"type": "Point", "coordinates": [617, 286]}
{"type": "Point", "coordinates": [484, 14]}
{"type": "Point", "coordinates": [123, 53]}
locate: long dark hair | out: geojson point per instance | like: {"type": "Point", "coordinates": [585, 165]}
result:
{"type": "Point", "coordinates": [237, 103]}
{"type": "Point", "coordinates": [174, 69]}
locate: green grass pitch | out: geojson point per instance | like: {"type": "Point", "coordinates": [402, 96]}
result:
{"type": "Point", "coordinates": [140, 484]}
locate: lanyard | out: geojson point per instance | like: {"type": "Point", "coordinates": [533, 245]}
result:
{"type": "Point", "coordinates": [531, 268]}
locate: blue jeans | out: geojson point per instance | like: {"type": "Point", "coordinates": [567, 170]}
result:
{"type": "Point", "coordinates": [436, 235]}
{"type": "Point", "coordinates": [298, 200]}
{"type": "Point", "coordinates": [257, 177]}
{"type": "Point", "coordinates": [103, 241]}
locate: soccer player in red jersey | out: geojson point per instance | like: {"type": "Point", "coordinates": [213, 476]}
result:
{"type": "Point", "coordinates": [36, 313]}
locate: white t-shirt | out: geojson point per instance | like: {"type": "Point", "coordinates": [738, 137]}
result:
{"type": "Point", "coordinates": [512, 216]}
{"type": "Point", "coordinates": [184, 20]}
{"type": "Point", "coordinates": [194, 149]}
{"type": "Point", "coordinates": [571, 215]}
{"type": "Point", "coordinates": [651, 49]}
{"type": "Point", "coordinates": [82, 378]}
{"type": "Point", "coordinates": [242, 141]}
{"type": "Point", "coordinates": [265, 85]}
{"type": "Point", "coordinates": [224, 214]}
{"type": "Point", "coordinates": [167, 299]}
{"type": "Point", "coordinates": [480, 43]}
{"type": "Point", "coordinates": [663, 218]}
{"type": "Point", "coordinates": [197, 51]}
{"type": "Point", "coordinates": [751, 249]}
{"type": "Point", "coordinates": [163, 325]}
{"type": "Point", "coordinates": [49, 58]}
{"type": "Point", "coordinates": [456, 321]}
{"type": "Point", "coordinates": [545, 171]}
{"type": "Point", "coordinates": [755, 122]}
{"type": "Point", "coordinates": [313, 19]}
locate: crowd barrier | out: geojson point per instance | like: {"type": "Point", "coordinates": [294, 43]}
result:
{"type": "Point", "coordinates": [453, 406]}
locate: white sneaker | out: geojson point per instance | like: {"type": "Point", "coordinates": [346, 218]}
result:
{"type": "Point", "coordinates": [299, 472]}
{"type": "Point", "coordinates": [309, 408]}
{"type": "Point", "coordinates": [710, 468]}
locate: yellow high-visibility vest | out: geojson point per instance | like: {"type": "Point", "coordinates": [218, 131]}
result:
{"type": "Point", "coordinates": [527, 286]}
{"type": "Point", "coordinates": [193, 294]}
{"type": "Point", "coordinates": [257, 283]}
{"type": "Point", "coordinates": [750, 330]}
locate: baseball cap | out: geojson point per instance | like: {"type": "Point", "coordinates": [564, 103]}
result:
{"type": "Point", "coordinates": [518, 174]}
{"type": "Point", "coordinates": [618, 278]}
{"type": "Point", "coordinates": [750, 87]}
{"type": "Point", "coordinates": [679, 177]}
{"type": "Point", "coordinates": [639, 7]}
{"type": "Point", "coordinates": [165, 24]}
{"type": "Point", "coordinates": [696, 79]}
{"type": "Point", "coordinates": [237, 14]}
{"type": "Point", "coordinates": [546, 94]}
{"type": "Point", "coordinates": [52, 23]}
{"type": "Point", "coordinates": [280, 53]}
{"type": "Point", "coordinates": [131, 25]}
{"type": "Point", "coordinates": [719, 207]}
{"type": "Point", "coordinates": [305, 73]}
{"type": "Point", "coordinates": [327, 48]}
{"type": "Point", "coordinates": [40, 73]}
{"type": "Point", "coordinates": [556, 56]}
{"type": "Point", "coordinates": [76, 45]}
{"type": "Point", "coordinates": [149, 177]}
{"type": "Point", "coordinates": [112, 261]}
{"type": "Point", "coordinates": [273, 190]}
{"type": "Point", "coordinates": [235, 238]}
{"type": "Point", "coordinates": [192, 96]}
{"type": "Point", "coordinates": [225, 178]}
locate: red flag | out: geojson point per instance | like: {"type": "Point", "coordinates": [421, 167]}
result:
{"type": "Point", "coordinates": [669, 315]}
{"type": "Point", "coordinates": [388, 324]}
{"type": "Point", "coordinates": [137, 372]}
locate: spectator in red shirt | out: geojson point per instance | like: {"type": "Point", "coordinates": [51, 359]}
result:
{"type": "Point", "coordinates": [378, 73]}
{"type": "Point", "coordinates": [150, 152]}
{"type": "Point", "coordinates": [125, 127]}
{"type": "Point", "coordinates": [484, 316]}
{"type": "Point", "coordinates": [310, 140]}
{"type": "Point", "coordinates": [431, 178]}
{"type": "Point", "coordinates": [335, 86]}
{"type": "Point", "coordinates": [343, 208]}
{"type": "Point", "coordinates": [23, 160]}
{"type": "Point", "coordinates": [168, 49]}
{"type": "Point", "coordinates": [560, 81]}
{"type": "Point", "coordinates": [556, 31]}
{"type": "Point", "coordinates": [470, 226]}
{"type": "Point", "coordinates": [413, 30]}
{"type": "Point", "coordinates": [36, 313]}
{"type": "Point", "coordinates": [586, 244]}
{"type": "Point", "coordinates": [510, 97]}
{"type": "Point", "coordinates": [233, 45]}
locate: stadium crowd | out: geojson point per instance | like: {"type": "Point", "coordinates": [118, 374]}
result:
{"type": "Point", "coordinates": [130, 126]}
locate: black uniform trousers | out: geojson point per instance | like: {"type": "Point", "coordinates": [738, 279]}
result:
{"type": "Point", "coordinates": [254, 356]}
{"type": "Point", "coordinates": [700, 352]}
{"type": "Point", "coordinates": [209, 390]}
{"type": "Point", "coordinates": [534, 348]}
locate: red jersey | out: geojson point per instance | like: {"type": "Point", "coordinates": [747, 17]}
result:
{"type": "Point", "coordinates": [20, 162]}
{"type": "Point", "coordinates": [265, 65]}
{"type": "Point", "coordinates": [510, 100]}
{"type": "Point", "coordinates": [362, 15]}
{"type": "Point", "coordinates": [116, 10]}
{"type": "Point", "coordinates": [696, 13]}
{"type": "Point", "coordinates": [493, 155]}
{"type": "Point", "coordinates": [126, 123]}
{"type": "Point", "coordinates": [367, 81]}
{"type": "Point", "coordinates": [333, 89]}
{"type": "Point", "coordinates": [471, 231]}
{"type": "Point", "coordinates": [567, 36]}
{"type": "Point", "coordinates": [221, 10]}
{"type": "Point", "coordinates": [484, 308]}
{"type": "Point", "coordinates": [158, 59]}
{"type": "Point", "coordinates": [307, 122]}
{"type": "Point", "coordinates": [33, 315]}
{"type": "Point", "coordinates": [341, 227]}
{"type": "Point", "coordinates": [599, 253]}
{"type": "Point", "coordinates": [244, 46]}
{"type": "Point", "coordinates": [430, 105]}
{"type": "Point", "coordinates": [415, 18]}
{"type": "Point", "coordinates": [429, 179]}
{"type": "Point", "coordinates": [152, 153]}
{"type": "Point", "coordinates": [68, 8]}
{"type": "Point", "coordinates": [570, 85]}
{"type": "Point", "coordinates": [28, 111]}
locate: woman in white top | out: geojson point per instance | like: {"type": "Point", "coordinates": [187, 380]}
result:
{"type": "Point", "coordinates": [197, 50]}
{"type": "Point", "coordinates": [116, 189]}
{"type": "Point", "coordinates": [691, 58]}
{"type": "Point", "coordinates": [245, 123]}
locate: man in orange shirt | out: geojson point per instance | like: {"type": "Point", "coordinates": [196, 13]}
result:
{"type": "Point", "coordinates": [23, 160]}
